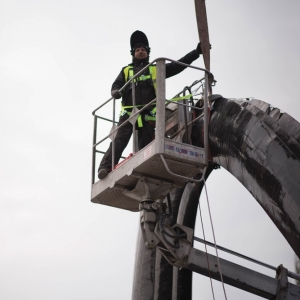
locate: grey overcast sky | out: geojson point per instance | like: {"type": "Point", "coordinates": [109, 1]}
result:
{"type": "Point", "coordinates": [58, 60]}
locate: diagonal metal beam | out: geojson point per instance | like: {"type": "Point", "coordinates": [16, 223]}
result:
{"type": "Point", "coordinates": [203, 31]}
{"type": "Point", "coordinates": [240, 277]}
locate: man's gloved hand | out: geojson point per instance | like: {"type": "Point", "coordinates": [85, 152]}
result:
{"type": "Point", "coordinates": [116, 94]}
{"type": "Point", "coordinates": [199, 49]}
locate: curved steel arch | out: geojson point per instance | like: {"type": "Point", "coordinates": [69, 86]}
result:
{"type": "Point", "coordinates": [258, 145]}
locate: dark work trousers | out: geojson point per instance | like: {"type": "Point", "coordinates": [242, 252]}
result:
{"type": "Point", "coordinates": [145, 136]}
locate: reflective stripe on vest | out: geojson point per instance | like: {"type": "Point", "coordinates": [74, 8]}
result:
{"type": "Point", "coordinates": [152, 112]}
{"type": "Point", "coordinates": [128, 73]}
{"type": "Point", "coordinates": [124, 112]}
{"type": "Point", "coordinates": [139, 119]}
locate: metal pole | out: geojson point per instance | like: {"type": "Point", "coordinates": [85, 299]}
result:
{"type": "Point", "coordinates": [160, 105]}
{"type": "Point", "coordinates": [94, 149]}
{"type": "Point", "coordinates": [186, 135]}
{"type": "Point", "coordinates": [113, 140]}
{"type": "Point", "coordinates": [206, 118]}
{"type": "Point", "coordinates": [133, 125]}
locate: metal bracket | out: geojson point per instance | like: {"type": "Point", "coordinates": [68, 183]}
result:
{"type": "Point", "coordinates": [174, 242]}
{"type": "Point", "coordinates": [148, 219]}
{"type": "Point", "coordinates": [282, 289]}
{"type": "Point", "coordinates": [180, 176]}
{"type": "Point", "coordinates": [149, 189]}
{"type": "Point", "coordinates": [177, 242]}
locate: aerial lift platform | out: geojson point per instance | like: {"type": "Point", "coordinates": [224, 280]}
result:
{"type": "Point", "coordinates": [163, 164]}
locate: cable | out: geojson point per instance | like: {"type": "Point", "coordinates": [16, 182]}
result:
{"type": "Point", "coordinates": [211, 284]}
{"type": "Point", "coordinates": [175, 237]}
{"type": "Point", "coordinates": [213, 231]}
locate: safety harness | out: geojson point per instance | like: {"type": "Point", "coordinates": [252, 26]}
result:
{"type": "Point", "coordinates": [128, 74]}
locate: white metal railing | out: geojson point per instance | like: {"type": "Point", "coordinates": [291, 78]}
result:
{"type": "Point", "coordinates": [160, 110]}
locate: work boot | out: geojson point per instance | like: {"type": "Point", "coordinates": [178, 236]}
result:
{"type": "Point", "coordinates": [102, 173]}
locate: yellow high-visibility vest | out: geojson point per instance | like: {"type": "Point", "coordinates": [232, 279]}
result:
{"type": "Point", "coordinates": [128, 73]}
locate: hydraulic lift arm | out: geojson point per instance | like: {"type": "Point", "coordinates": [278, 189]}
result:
{"type": "Point", "coordinates": [175, 244]}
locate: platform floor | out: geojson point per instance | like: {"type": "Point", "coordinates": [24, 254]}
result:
{"type": "Point", "coordinates": [182, 159]}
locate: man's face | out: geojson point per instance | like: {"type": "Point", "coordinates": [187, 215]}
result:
{"type": "Point", "coordinates": [140, 53]}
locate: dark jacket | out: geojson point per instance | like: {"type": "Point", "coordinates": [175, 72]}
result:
{"type": "Point", "coordinates": [144, 90]}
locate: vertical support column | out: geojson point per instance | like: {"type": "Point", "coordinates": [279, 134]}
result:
{"type": "Point", "coordinates": [134, 147]}
{"type": "Point", "coordinates": [160, 105]}
{"type": "Point", "coordinates": [182, 119]}
{"type": "Point", "coordinates": [143, 280]}
{"type": "Point", "coordinates": [182, 279]}
{"type": "Point", "coordinates": [113, 140]}
{"type": "Point", "coordinates": [206, 118]}
{"type": "Point", "coordinates": [94, 149]}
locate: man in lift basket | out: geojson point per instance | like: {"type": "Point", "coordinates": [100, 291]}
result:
{"type": "Point", "coordinates": [145, 91]}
